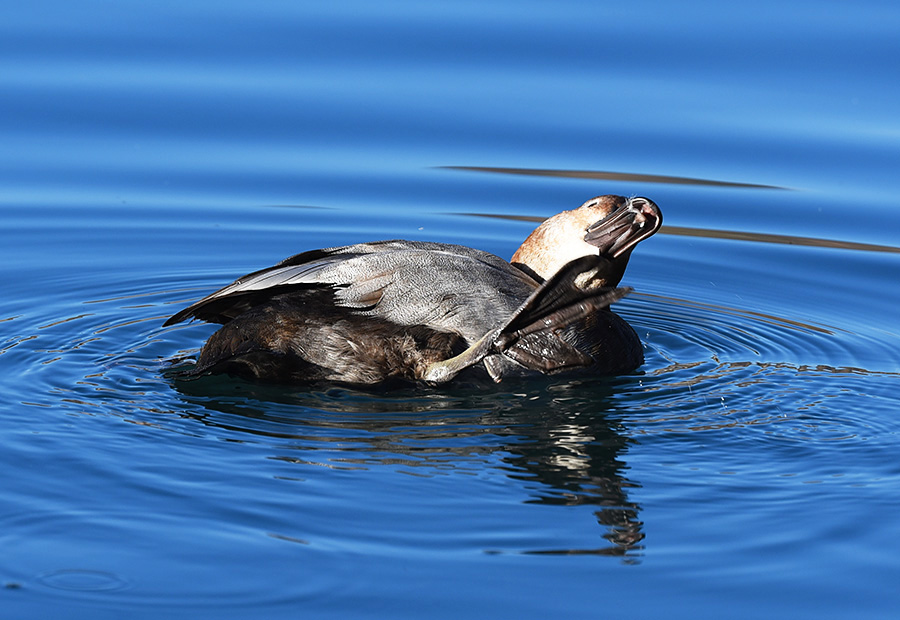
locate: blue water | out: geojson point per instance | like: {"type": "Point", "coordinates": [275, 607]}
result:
{"type": "Point", "coordinates": [152, 152]}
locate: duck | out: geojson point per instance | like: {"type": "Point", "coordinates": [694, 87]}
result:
{"type": "Point", "coordinates": [427, 312]}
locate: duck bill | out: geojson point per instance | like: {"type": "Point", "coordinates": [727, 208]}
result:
{"type": "Point", "coordinates": [618, 232]}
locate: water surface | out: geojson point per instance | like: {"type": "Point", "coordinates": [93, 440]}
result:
{"type": "Point", "coordinates": [150, 154]}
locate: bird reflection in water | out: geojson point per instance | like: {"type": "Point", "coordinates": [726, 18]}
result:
{"type": "Point", "coordinates": [560, 439]}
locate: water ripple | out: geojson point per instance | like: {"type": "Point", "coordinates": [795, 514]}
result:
{"type": "Point", "coordinates": [83, 580]}
{"type": "Point", "coordinates": [682, 331]}
{"type": "Point", "coordinates": [121, 543]}
{"type": "Point", "coordinates": [712, 368]}
{"type": "Point", "coordinates": [629, 177]}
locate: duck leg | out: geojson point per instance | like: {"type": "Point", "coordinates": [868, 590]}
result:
{"type": "Point", "coordinates": [532, 335]}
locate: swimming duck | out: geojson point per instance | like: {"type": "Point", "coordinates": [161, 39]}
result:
{"type": "Point", "coordinates": [422, 311]}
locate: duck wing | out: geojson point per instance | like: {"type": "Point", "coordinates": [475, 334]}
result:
{"type": "Point", "coordinates": [405, 282]}
{"type": "Point", "coordinates": [255, 288]}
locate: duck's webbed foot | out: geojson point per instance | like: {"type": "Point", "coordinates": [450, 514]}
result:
{"type": "Point", "coordinates": [443, 371]}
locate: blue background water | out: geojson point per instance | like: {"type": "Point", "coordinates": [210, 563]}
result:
{"type": "Point", "coordinates": [151, 152]}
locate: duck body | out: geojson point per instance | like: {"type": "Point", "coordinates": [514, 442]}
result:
{"type": "Point", "coordinates": [417, 311]}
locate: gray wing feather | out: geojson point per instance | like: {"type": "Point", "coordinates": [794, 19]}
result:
{"type": "Point", "coordinates": [396, 280]}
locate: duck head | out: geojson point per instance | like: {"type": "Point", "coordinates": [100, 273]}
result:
{"type": "Point", "coordinates": [606, 225]}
